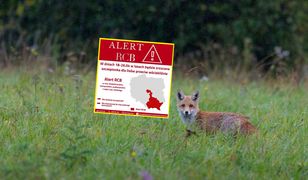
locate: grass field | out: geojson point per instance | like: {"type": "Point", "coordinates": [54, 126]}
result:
{"type": "Point", "coordinates": [48, 131]}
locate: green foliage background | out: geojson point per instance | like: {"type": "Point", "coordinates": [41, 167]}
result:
{"type": "Point", "coordinates": [47, 127]}
{"type": "Point", "coordinates": [191, 25]}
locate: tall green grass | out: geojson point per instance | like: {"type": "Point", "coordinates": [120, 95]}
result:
{"type": "Point", "coordinates": [48, 131]}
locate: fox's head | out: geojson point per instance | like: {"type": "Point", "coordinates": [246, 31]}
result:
{"type": "Point", "coordinates": [188, 106]}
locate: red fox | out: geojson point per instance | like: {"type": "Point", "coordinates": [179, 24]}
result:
{"type": "Point", "coordinates": [211, 122]}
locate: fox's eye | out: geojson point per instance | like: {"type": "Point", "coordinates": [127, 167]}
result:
{"type": "Point", "coordinates": [191, 105]}
{"type": "Point", "coordinates": [183, 105]}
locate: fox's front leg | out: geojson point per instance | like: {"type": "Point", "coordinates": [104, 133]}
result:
{"type": "Point", "coordinates": [190, 132]}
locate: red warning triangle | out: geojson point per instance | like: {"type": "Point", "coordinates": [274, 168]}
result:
{"type": "Point", "coordinates": [152, 56]}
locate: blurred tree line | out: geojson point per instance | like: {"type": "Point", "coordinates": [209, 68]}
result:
{"type": "Point", "coordinates": [245, 32]}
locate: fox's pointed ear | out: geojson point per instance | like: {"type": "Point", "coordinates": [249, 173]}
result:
{"type": "Point", "coordinates": [195, 96]}
{"type": "Point", "coordinates": [180, 95]}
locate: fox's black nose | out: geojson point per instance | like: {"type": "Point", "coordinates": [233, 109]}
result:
{"type": "Point", "coordinates": [186, 112]}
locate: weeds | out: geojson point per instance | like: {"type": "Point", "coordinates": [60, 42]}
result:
{"type": "Point", "coordinates": [48, 131]}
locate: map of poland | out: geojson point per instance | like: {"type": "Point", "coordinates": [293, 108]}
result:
{"type": "Point", "coordinates": [142, 88]}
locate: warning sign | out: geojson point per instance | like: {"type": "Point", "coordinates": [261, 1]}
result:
{"type": "Point", "coordinates": [152, 56]}
{"type": "Point", "coordinates": [133, 78]}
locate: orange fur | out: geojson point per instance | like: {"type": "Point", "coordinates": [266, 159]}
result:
{"type": "Point", "coordinates": [226, 122]}
{"type": "Point", "coordinates": [223, 121]}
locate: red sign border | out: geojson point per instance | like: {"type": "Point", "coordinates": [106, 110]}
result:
{"type": "Point", "coordinates": [128, 113]}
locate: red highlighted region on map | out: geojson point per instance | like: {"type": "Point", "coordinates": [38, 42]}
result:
{"type": "Point", "coordinates": [153, 102]}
